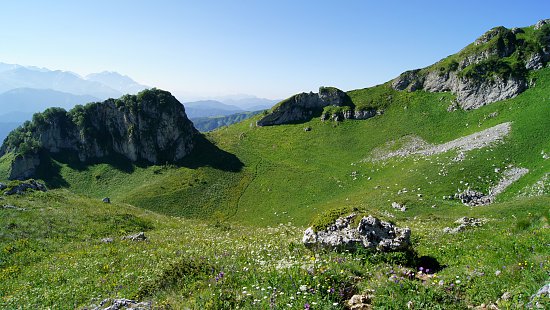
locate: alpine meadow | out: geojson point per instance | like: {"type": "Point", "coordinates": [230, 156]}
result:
{"type": "Point", "coordinates": [430, 191]}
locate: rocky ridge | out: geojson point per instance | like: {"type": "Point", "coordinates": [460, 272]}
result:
{"type": "Point", "coordinates": [491, 69]}
{"type": "Point", "coordinates": [150, 127]}
{"type": "Point", "coordinates": [305, 106]}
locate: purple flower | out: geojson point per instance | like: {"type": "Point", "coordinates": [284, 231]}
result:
{"type": "Point", "coordinates": [421, 268]}
{"type": "Point", "coordinates": [306, 306]}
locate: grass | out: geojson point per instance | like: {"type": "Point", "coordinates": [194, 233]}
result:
{"type": "Point", "coordinates": [51, 256]}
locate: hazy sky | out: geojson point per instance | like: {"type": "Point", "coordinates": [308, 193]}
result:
{"type": "Point", "coordinates": [267, 48]}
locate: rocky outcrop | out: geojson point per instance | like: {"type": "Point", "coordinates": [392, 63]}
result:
{"type": "Point", "coordinates": [149, 127]}
{"type": "Point", "coordinates": [479, 74]}
{"type": "Point", "coordinates": [22, 187]}
{"type": "Point", "coordinates": [304, 106]}
{"type": "Point", "coordinates": [370, 233]}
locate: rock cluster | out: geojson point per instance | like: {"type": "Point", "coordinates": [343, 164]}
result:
{"type": "Point", "coordinates": [464, 222]}
{"type": "Point", "coordinates": [370, 233]}
{"type": "Point", "coordinates": [473, 198]}
{"type": "Point", "coordinates": [21, 188]}
{"type": "Point", "coordinates": [149, 127]}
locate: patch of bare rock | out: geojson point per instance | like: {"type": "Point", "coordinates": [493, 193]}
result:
{"type": "Point", "coordinates": [464, 223]}
{"type": "Point", "coordinates": [413, 145]}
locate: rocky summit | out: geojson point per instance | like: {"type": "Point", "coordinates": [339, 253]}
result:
{"type": "Point", "coordinates": [149, 127]}
{"type": "Point", "coordinates": [491, 69]}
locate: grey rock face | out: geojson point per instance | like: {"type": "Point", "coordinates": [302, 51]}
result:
{"type": "Point", "coordinates": [370, 233]}
{"type": "Point", "coordinates": [25, 186]}
{"type": "Point", "coordinates": [471, 93]}
{"type": "Point", "coordinates": [535, 62]}
{"type": "Point", "coordinates": [302, 107]}
{"type": "Point", "coordinates": [24, 166]}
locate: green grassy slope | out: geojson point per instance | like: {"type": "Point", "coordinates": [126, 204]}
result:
{"type": "Point", "coordinates": [292, 175]}
{"type": "Point", "coordinates": [52, 256]}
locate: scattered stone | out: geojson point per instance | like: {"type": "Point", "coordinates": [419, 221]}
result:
{"type": "Point", "coordinates": [399, 206]}
{"type": "Point", "coordinates": [24, 186]}
{"type": "Point", "coordinates": [107, 240]}
{"type": "Point", "coordinates": [307, 129]}
{"type": "Point", "coordinates": [506, 296]}
{"type": "Point", "coordinates": [3, 186]}
{"type": "Point", "coordinates": [464, 222]}
{"type": "Point", "coordinates": [361, 302]}
{"type": "Point", "coordinates": [459, 157]}
{"type": "Point", "coordinates": [140, 236]}
{"type": "Point", "coordinates": [370, 233]}
{"type": "Point", "coordinates": [122, 303]}
{"type": "Point", "coordinates": [106, 200]}
{"type": "Point", "coordinates": [13, 208]}
{"type": "Point", "coordinates": [540, 298]}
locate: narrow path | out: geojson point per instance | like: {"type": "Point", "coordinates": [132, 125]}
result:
{"type": "Point", "coordinates": [241, 194]}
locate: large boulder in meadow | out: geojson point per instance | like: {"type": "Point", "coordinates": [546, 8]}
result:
{"type": "Point", "coordinates": [369, 232]}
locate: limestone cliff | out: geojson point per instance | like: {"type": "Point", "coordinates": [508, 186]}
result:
{"type": "Point", "coordinates": [149, 127]}
{"type": "Point", "coordinates": [493, 68]}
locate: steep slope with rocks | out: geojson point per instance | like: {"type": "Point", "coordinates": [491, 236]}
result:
{"type": "Point", "coordinates": [149, 127]}
{"type": "Point", "coordinates": [493, 68]}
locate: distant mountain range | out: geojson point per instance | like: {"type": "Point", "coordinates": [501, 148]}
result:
{"type": "Point", "coordinates": [99, 85]}
{"type": "Point", "coordinates": [25, 90]}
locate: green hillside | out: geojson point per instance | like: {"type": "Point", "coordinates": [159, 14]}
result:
{"type": "Point", "coordinates": [224, 225]}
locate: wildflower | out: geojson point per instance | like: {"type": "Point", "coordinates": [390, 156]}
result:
{"type": "Point", "coordinates": [306, 306]}
{"type": "Point", "coordinates": [303, 287]}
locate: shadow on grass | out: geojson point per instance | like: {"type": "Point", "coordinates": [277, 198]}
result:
{"type": "Point", "coordinates": [204, 154]}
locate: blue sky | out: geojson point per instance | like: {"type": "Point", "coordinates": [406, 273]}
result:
{"type": "Point", "coordinates": [266, 48]}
